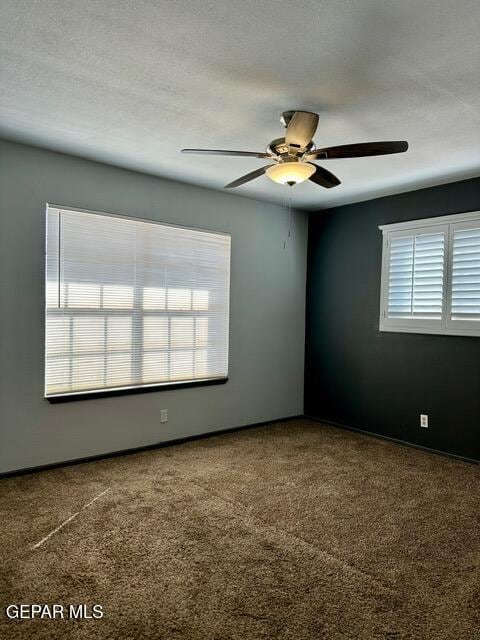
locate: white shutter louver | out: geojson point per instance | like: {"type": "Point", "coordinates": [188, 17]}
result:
{"type": "Point", "coordinates": [133, 303]}
{"type": "Point", "coordinates": [416, 276]}
{"type": "Point", "coordinates": [465, 300]}
{"type": "Point", "coordinates": [400, 282]}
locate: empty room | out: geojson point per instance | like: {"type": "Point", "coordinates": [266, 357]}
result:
{"type": "Point", "coordinates": [239, 320]}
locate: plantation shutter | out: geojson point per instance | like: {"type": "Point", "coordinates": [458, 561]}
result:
{"type": "Point", "coordinates": [132, 303]}
{"type": "Point", "coordinates": [465, 279]}
{"type": "Point", "coordinates": [415, 273]}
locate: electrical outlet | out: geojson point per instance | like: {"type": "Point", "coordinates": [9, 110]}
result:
{"type": "Point", "coordinates": [424, 420]}
{"type": "Point", "coordinates": [163, 415]}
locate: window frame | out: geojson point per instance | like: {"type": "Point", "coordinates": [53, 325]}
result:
{"type": "Point", "coordinates": [147, 387]}
{"type": "Point", "coordinates": [444, 326]}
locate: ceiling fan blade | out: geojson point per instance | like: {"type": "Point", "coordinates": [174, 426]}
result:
{"type": "Point", "coordinates": [323, 177]}
{"type": "Point", "coordinates": [227, 152]}
{"type": "Point", "coordinates": [247, 177]}
{"type": "Point", "coordinates": [360, 150]}
{"type": "Point", "coordinates": [301, 129]}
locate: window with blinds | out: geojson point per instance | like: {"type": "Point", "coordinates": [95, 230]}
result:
{"type": "Point", "coordinates": [416, 278]}
{"type": "Point", "coordinates": [133, 303]}
{"type": "Point", "coordinates": [431, 276]}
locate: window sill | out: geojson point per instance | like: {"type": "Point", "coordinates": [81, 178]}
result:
{"type": "Point", "coordinates": [473, 333]}
{"type": "Point", "coordinates": [126, 391]}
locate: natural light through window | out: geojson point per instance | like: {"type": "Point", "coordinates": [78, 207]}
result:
{"type": "Point", "coordinates": [133, 303]}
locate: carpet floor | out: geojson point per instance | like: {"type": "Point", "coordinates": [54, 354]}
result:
{"type": "Point", "coordinates": [293, 531]}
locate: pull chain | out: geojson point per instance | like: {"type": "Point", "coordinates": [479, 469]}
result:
{"type": "Point", "coordinates": [288, 211]}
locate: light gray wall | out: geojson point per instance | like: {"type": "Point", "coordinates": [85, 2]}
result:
{"type": "Point", "coordinates": [267, 311]}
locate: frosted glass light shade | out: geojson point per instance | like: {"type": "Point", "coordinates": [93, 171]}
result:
{"type": "Point", "coordinates": [290, 172]}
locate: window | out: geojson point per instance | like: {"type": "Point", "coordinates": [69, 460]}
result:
{"type": "Point", "coordinates": [133, 303]}
{"type": "Point", "coordinates": [431, 275]}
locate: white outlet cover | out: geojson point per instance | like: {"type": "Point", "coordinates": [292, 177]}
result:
{"type": "Point", "coordinates": [424, 420]}
{"type": "Point", "coordinates": [164, 415]}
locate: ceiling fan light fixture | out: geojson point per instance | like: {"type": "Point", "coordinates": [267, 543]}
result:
{"type": "Point", "coordinates": [290, 172]}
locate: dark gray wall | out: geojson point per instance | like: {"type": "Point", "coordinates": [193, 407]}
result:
{"type": "Point", "coordinates": [267, 312]}
{"type": "Point", "coordinates": [381, 382]}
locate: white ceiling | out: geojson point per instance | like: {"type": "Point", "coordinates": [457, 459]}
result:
{"type": "Point", "coordinates": [131, 82]}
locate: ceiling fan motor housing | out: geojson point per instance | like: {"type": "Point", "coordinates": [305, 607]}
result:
{"type": "Point", "coordinates": [279, 147]}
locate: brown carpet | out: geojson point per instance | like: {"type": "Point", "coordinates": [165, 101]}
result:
{"type": "Point", "coordinates": [293, 531]}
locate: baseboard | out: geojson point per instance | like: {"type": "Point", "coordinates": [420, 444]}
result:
{"type": "Point", "coordinates": [405, 443]}
{"type": "Point", "coordinates": [210, 434]}
{"type": "Point", "coordinates": [147, 447]}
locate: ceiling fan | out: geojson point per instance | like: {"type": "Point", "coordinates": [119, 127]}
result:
{"type": "Point", "coordinates": [292, 155]}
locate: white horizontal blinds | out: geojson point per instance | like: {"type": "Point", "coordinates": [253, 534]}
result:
{"type": "Point", "coordinates": [132, 303]}
{"type": "Point", "coordinates": [416, 276]}
{"type": "Point", "coordinates": [183, 296]}
{"type": "Point", "coordinates": [400, 280]}
{"type": "Point", "coordinates": [465, 288]}
{"type": "Point", "coordinates": [428, 275]}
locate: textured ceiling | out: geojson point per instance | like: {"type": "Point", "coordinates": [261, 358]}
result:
{"type": "Point", "coordinates": [132, 82]}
